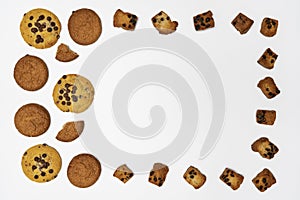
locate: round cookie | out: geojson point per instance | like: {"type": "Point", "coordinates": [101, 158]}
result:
{"type": "Point", "coordinates": [32, 120]}
{"type": "Point", "coordinates": [41, 163]}
{"type": "Point", "coordinates": [31, 73]}
{"type": "Point", "coordinates": [40, 28]}
{"type": "Point", "coordinates": [84, 26]}
{"type": "Point", "coordinates": [84, 170]}
{"type": "Point", "coordinates": [73, 93]}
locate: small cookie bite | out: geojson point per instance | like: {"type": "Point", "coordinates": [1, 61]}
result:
{"type": "Point", "coordinates": [158, 174]}
{"type": "Point", "coordinates": [70, 131]}
{"type": "Point", "coordinates": [123, 173]}
{"type": "Point", "coordinates": [40, 28]}
{"type": "Point", "coordinates": [194, 177]}
{"type": "Point", "coordinates": [41, 163]}
{"type": "Point", "coordinates": [269, 27]}
{"type": "Point", "coordinates": [84, 170]}
{"type": "Point", "coordinates": [232, 178]}
{"type": "Point", "coordinates": [268, 87]}
{"type": "Point", "coordinates": [204, 21]}
{"type": "Point", "coordinates": [266, 117]}
{"type": "Point", "coordinates": [265, 148]}
{"type": "Point", "coordinates": [163, 23]}
{"type": "Point", "coordinates": [242, 23]}
{"type": "Point", "coordinates": [65, 54]}
{"type": "Point", "coordinates": [73, 93]}
{"type": "Point", "coordinates": [264, 180]}
{"type": "Point", "coordinates": [31, 73]}
{"type": "Point", "coordinates": [84, 26]}
{"type": "Point", "coordinates": [268, 59]}
{"type": "Point", "coordinates": [125, 20]}
{"type": "Point", "coordinates": [32, 120]}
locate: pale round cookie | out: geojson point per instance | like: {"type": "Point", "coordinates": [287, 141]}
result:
{"type": "Point", "coordinates": [84, 170]}
{"type": "Point", "coordinates": [73, 93]}
{"type": "Point", "coordinates": [41, 163]}
{"type": "Point", "coordinates": [40, 28]}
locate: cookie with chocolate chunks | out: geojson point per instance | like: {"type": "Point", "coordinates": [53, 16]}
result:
{"type": "Point", "coordinates": [204, 21]}
{"type": "Point", "coordinates": [265, 117]}
{"type": "Point", "coordinates": [123, 173]}
{"type": "Point", "coordinates": [194, 177]}
{"type": "Point", "coordinates": [242, 23]}
{"type": "Point", "coordinates": [125, 20]}
{"type": "Point", "coordinates": [232, 178]}
{"type": "Point", "coordinates": [163, 23]}
{"type": "Point", "coordinates": [264, 180]}
{"type": "Point", "coordinates": [268, 59]}
{"type": "Point", "coordinates": [269, 27]}
{"type": "Point", "coordinates": [268, 87]}
{"type": "Point", "coordinates": [265, 148]}
{"type": "Point", "coordinates": [158, 174]}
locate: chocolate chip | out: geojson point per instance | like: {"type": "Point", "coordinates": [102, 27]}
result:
{"type": "Point", "coordinates": [162, 19]}
{"type": "Point", "coordinates": [122, 179]}
{"type": "Point", "coordinates": [260, 187]}
{"type": "Point", "coordinates": [67, 85]}
{"type": "Point", "coordinates": [155, 179]}
{"type": "Point", "coordinates": [43, 174]}
{"type": "Point", "coordinates": [50, 171]}
{"type": "Point", "coordinates": [229, 184]}
{"type": "Point", "coordinates": [38, 36]}
{"type": "Point", "coordinates": [267, 149]}
{"type": "Point", "coordinates": [234, 23]}
{"type": "Point", "coordinates": [129, 15]}
{"type": "Point", "coordinates": [31, 17]}
{"type": "Point", "coordinates": [34, 30]}
{"type": "Point", "coordinates": [29, 25]}
{"type": "Point", "coordinates": [55, 28]}
{"type": "Point", "coordinates": [37, 159]}
{"type": "Point", "coordinates": [264, 57]}
{"type": "Point", "coordinates": [226, 179]}
{"type": "Point", "coordinates": [64, 76]}
{"type": "Point", "coordinates": [168, 18]}
{"type": "Point", "coordinates": [265, 188]}
{"type": "Point", "coordinates": [232, 175]}
{"type": "Point", "coordinates": [41, 17]}
{"type": "Point", "coordinates": [44, 155]}
{"type": "Point", "coordinates": [68, 98]}
{"type": "Point", "coordinates": [151, 173]}
{"type": "Point", "coordinates": [63, 103]}
{"type": "Point", "coordinates": [75, 99]}
{"type": "Point", "coordinates": [207, 25]}
{"type": "Point", "coordinates": [207, 19]}
{"type": "Point", "coordinates": [49, 18]}
{"type": "Point", "coordinates": [160, 184]}
{"type": "Point", "coordinates": [150, 179]}
{"type": "Point", "coordinates": [61, 91]}
{"type": "Point", "coordinates": [264, 180]}
{"type": "Point", "coordinates": [124, 25]}
{"type": "Point", "coordinates": [197, 27]}
{"type": "Point", "coordinates": [191, 176]}
{"type": "Point", "coordinates": [257, 181]}
{"type": "Point", "coordinates": [154, 20]}
{"type": "Point", "coordinates": [49, 29]}
{"type": "Point", "coordinates": [25, 153]}
{"type": "Point", "coordinates": [52, 24]}
{"type": "Point", "coordinates": [272, 61]}
{"type": "Point", "coordinates": [68, 91]}
{"type": "Point", "coordinates": [69, 103]}
{"type": "Point", "coordinates": [273, 22]}
{"type": "Point", "coordinates": [129, 26]}
{"type": "Point", "coordinates": [33, 167]}
{"type": "Point", "coordinates": [160, 13]}
{"type": "Point", "coordinates": [44, 144]}
{"type": "Point", "coordinates": [269, 26]}
{"type": "Point", "coordinates": [267, 20]}
{"type": "Point", "coordinates": [36, 176]}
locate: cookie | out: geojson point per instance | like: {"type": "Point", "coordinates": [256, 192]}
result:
{"type": "Point", "coordinates": [40, 28]}
{"type": "Point", "coordinates": [125, 20]}
{"type": "Point", "coordinates": [123, 173]}
{"type": "Point", "coordinates": [232, 178]}
{"type": "Point", "coordinates": [204, 21]}
{"type": "Point", "coordinates": [265, 148]}
{"type": "Point", "coordinates": [264, 180]}
{"type": "Point", "coordinates": [163, 23]}
{"type": "Point", "coordinates": [158, 174]}
{"type": "Point", "coordinates": [84, 170]}
{"type": "Point", "coordinates": [31, 73]}
{"type": "Point", "coordinates": [268, 59]}
{"type": "Point", "coordinates": [194, 177]}
{"type": "Point", "coordinates": [269, 27]}
{"type": "Point", "coordinates": [242, 23]}
{"type": "Point", "coordinates": [32, 120]}
{"type": "Point", "coordinates": [65, 54]}
{"type": "Point", "coordinates": [84, 26]}
{"type": "Point", "coordinates": [41, 163]}
{"type": "Point", "coordinates": [70, 131]}
{"type": "Point", "coordinates": [73, 93]}
{"type": "Point", "coordinates": [268, 87]}
{"type": "Point", "coordinates": [266, 117]}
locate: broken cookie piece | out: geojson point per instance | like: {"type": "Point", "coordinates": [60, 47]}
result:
{"type": "Point", "coordinates": [232, 178]}
{"type": "Point", "coordinates": [242, 23]}
{"type": "Point", "coordinates": [269, 27]}
{"type": "Point", "coordinates": [268, 87]}
{"type": "Point", "coordinates": [204, 21]}
{"type": "Point", "coordinates": [123, 173]}
{"type": "Point", "coordinates": [264, 180]}
{"type": "Point", "coordinates": [125, 20]}
{"type": "Point", "coordinates": [265, 148]}
{"type": "Point", "coordinates": [163, 23]}
{"type": "Point", "coordinates": [158, 174]}
{"type": "Point", "coordinates": [194, 177]}
{"type": "Point", "coordinates": [266, 117]}
{"type": "Point", "coordinates": [70, 131]}
{"type": "Point", "coordinates": [65, 54]}
{"type": "Point", "coordinates": [267, 60]}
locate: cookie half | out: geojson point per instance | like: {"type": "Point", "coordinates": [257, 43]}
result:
{"type": "Point", "coordinates": [65, 54]}
{"type": "Point", "coordinates": [123, 173]}
{"type": "Point", "coordinates": [70, 131]}
{"type": "Point", "coordinates": [194, 177]}
{"type": "Point", "coordinates": [265, 148]}
{"type": "Point", "coordinates": [158, 174]}
{"type": "Point", "coordinates": [269, 27]}
{"type": "Point", "coordinates": [163, 23]}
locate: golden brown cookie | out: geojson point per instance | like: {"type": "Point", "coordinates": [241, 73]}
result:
{"type": "Point", "coordinates": [269, 27]}
{"type": "Point", "coordinates": [41, 163]}
{"type": "Point", "coordinates": [158, 174]}
{"type": "Point", "coordinates": [267, 60]}
{"type": "Point", "coordinates": [84, 170]}
{"type": "Point", "coordinates": [32, 120]}
{"type": "Point", "coordinates": [232, 178]}
{"type": "Point", "coordinates": [40, 28]}
{"type": "Point", "coordinates": [268, 87]}
{"type": "Point", "coordinates": [194, 177]}
{"type": "Point", "coordinates": [163, 23]}
{"type": "Point", "coordinates": [31, 73]}
{"type": "Point", "coordinates": [70, 131]}
{"type": "Point", "coordinates": [123, 173]}
{"type": "Point", "coordinates": [84, 26]}
{"type": "Point", "coordinates": [265, 148]}
{"type": "Point", "coordinates": [264, 180]}
{"type": "Point", "coordinates": [266, 117]}
{"type": "Point", "coordinates": [242, 23]}
{"type": "Point", "coordinates": [65, 54]}
{"type": "Point", "coordinates": [125, 20]}
{"type": "Point", "coordinates": [73, 93]}
{"type": "Point", "coordinates": [204, 21]}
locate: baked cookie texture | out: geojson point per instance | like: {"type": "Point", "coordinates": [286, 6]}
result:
{"type": "Point", "coordinates": [84, 26]}
{"type": "Point", "coordinates": [40, 28]}
{"type": "Point", "coordinates": [84, 170]}
{"type": "Point", "coordinates": [232, 178]}
{"type": "Point", "coordinates": [264, 180]}
{"type": "Point", "coordinates": [268, 87]}
{"type": "Point", "coordinates": [242, 23]}
{"type": "Point", "coordinates": [70, 131]}
{"type": "Point", "coordinates": [31, 73]}
{"type": "Point", "coordinates": [158, 174]}
{"type": "Point", "coordinates": [204, 21]}
{"type": "Point", "coordinates": [73, 93]}
{"type": "Point", "coordinates": [65, 54]}
{"type": "Point", "coordinates": [32, 120]}
{"type": "Point", "coordinates": [41, 163]}
{"type": "Point", "coordinates": [125, 20]}
{"type": "Point", "coordinates": [268, 59]}
{"type": "Point", "coordinates": [163, 23]}
{"type": "Point", "coordinates": [269, 27]}
{"type": "Point", "coordinates": [123, 173]}
{"type": "Point", "coordinates": [265, 148]}
{"type": "Point", "coordinates": [265, 117]}
{"type": "Point", "coordinates": [194, 177]}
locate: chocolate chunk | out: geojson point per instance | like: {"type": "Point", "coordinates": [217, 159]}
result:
{"type": "Point", "coordinates": [31, 17]}
{"type": "Point", "coordinates": [55, 28]}
{"type": "Point", "coordinates": [50, 171]}
{"type": "Point", "coordinates": [61, 91]}
{"type": "Point", "coordinates": [34, 30]}
{"type": "Point", "coordinates": [29, 25]}
{"type": "Point", "coordinates": [52, 24]}
{"type": "Point", "coordinates": [129, 15]}
{"type": "Point", "coordinates": [43, 174]}
{"type": "Point", "coordinates": [154, 20]}
{"type": "Point", "coordinates": [33, 167]}
{"type": "Point", "coordinates": [63, 103]}
{"type": "Point", "coordinates": [69, 103]}
{"type": "Point", "coordinates": [74, 98]}
{"type": "Point", "coordinates": [36, 176]}
{"type": "Point", "coordinates": [124, 25]}
{"type": "Point", "coordinates": [41, 17]}
{"type": "Point", "coordinates": [59, 82]}
{"type": "Point", "coordinates": [49, 18]}
{"type": "Point", "coordinates": [44, 155]}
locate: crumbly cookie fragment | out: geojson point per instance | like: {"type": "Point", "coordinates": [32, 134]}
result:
{"type": "Point", "coordinates": [163, 23]}
{"type": "Point", "coordinates": [125, 20]}
{"type": "Point", "coordinates": [204, 21]}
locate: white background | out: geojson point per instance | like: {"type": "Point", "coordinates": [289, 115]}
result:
{"type": "Point", "coordinates": [235, 57]}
